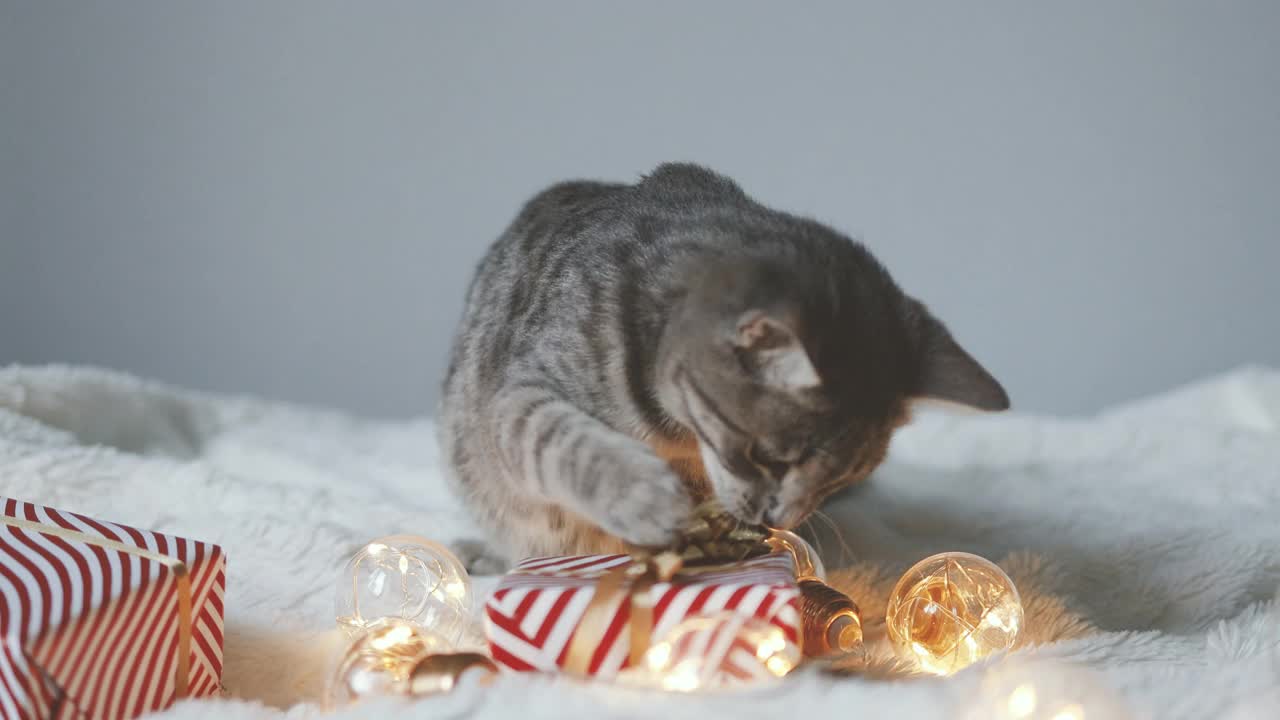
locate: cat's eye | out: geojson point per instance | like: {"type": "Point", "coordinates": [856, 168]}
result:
{"type": "Point", "coordinates": [774, 467]}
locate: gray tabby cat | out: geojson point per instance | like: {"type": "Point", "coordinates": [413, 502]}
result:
{"type": "Point", "coordinates": [627, 350]}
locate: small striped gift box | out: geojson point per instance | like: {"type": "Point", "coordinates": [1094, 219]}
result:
{"type": "Point", "coordinates": [545, 615]}
{"type": "Point", "coordinates": [100, 620]}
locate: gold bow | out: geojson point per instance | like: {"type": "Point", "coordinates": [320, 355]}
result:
{"type": "Point", "coordinates": [831, 622]}
{"type": "Point", "coordinates": [715, 538]}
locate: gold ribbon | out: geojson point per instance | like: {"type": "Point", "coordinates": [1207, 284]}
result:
{"type": "Point", "coordinates": [714, 539]}
{"type": "Point", "coordinates": [177, 567]}
{"type": "Point", "coordinates": [625, 583]}
{"type": "Point", "coordinates": [830, 619]}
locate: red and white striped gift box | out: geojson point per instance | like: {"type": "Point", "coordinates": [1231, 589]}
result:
{"type": "Point", "coordinates": [100, 620]}
{"type": "Point", "coordinates": [531, 617]}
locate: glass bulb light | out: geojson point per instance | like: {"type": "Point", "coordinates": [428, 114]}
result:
{"type": "Point", "coordinates": [405, 577]}
{"type": "Point", "coordinates": [380, 660]}
{"type": "Point", "coordinates": [951, 610]}
{"type": "Point", "coordinates": [808, 564]}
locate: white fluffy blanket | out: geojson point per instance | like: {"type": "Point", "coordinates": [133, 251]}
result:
{"type": "Point", "coordinates": [1145, 542]}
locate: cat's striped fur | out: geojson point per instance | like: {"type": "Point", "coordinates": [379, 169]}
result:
{"type": "Point", "coordinates": [615, 334]}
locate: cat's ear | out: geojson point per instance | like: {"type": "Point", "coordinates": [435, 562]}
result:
{"type": "Point", "coordinates": [949, 374]}
{"type": "Point", "coordinates": [773, 352]}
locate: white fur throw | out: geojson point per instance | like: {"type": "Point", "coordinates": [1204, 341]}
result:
{"type": "Point", "coordinates": [1145, 542]}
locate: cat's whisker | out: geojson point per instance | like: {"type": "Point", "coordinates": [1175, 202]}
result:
{"type": "Point", "coordinates": [846, 552]}
{"type": "Point", "coordinates": [808, 522]}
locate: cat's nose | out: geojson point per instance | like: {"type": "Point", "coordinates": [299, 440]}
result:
{"type": "Point", "coordinates": [777, 516]}
{"type": "Point", "coordinates": [771, 515]}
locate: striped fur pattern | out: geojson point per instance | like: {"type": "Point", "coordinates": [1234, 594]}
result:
{"type": "Point", "coordinates": [93, 632]}
{"type": "Point", "coordinates": [627, 350]}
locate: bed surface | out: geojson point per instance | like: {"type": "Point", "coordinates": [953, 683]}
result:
{"type": "Point", "coordinates": [1145, 541]}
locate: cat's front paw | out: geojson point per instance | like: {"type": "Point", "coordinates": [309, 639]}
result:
{"type": "Point", "coordinates": [652, 507]}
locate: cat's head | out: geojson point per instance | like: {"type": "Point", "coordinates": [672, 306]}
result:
{"type": "Point", "coordinates": [794, 365]}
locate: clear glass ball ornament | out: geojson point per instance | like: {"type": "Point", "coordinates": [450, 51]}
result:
{"type": "Point", "coordinates": [951, 610]}
{"type": "Point", "coordinates": [380, 660]}
{"type": "Point", "coordinates": [408, 578]}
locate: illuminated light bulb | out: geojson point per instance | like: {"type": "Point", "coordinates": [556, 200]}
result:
{"type": "Point", "coordinates": [1022, 702]}
{"type": "Point", "coordinates": [441, 673]}
{"type": "Point", "coordinates": [951, 610]}
{"type": "Point", "coordinates": [716, 651]}
{"type": "Point", "coordinates": [808, 564]}
{"type": "Point", "coordinates": [1044, 690]}
{"type": "Point", "coordinates": [380, 660]}
{"type": "Point", "coordinates": [831, 621]}
{"type": "Point", "coordinates": [405, 577]}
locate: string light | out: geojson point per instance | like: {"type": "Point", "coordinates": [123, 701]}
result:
{"type": "Point", "coordinates": [405, 577]}
{"type": "Point", "coordinates": [393, 657]}
{"type": "Point", "coordinates": [380, 660]}
{"type": "Point", "coordinates": [951, 610]}
{"type": "Point", "coordinates": [808, 565]}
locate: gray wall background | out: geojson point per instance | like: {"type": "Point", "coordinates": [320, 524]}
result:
{"type": "Point", "coordinates": [287, 198]}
